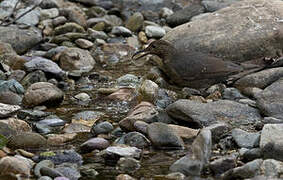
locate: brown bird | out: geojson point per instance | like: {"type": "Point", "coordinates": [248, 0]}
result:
{"type": "Point", "coordinates": [190, 69]}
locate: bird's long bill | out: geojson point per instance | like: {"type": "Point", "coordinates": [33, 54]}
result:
{"type": "Point", "coordinates": [142, 52]}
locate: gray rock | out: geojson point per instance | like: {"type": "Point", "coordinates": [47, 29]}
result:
{"type": "Point", "coordinates": [128, 80]}
{"type": "Point", "coordinates": [74, 14]}
{"type": "Point", "coordinates": [149, 90]}
{"type": "Point", "coordinates": [94, 143]}
{"type": "Point", "coordinates": [8, 97]}
{"type": "Point", "coordinates": [134, 139]}
{"type": "Point", "coordinates": [7, 130]}
{"type": "Point", "coordinates": [45, 178]}
{"type": "Point", "coordinates": [165, 12]}
{"type": "Point", "coordinates": [26, 140]}
{"type": "Point", "coordinates": [7, 110]}
{"type": "Point", "coordinates": [270, 100]}
{"type": "Point", "coordinates": [44, 163]}
{"type": "Point", "coordinates": [49, 4]}
{"type": "Point", "coordinates": [271, 142]}
{"type": "Point", "coordinates": [43, 93]}
{"type": "Point", "coordinates": [222, 164]}
{"type": "Point", "coordinates": [271, 120]}
{"type": "Point", "coordinates": [232, 94]}
{"type": "Point", "coordinates": [83, 43]}
{"type": "Point", "coordinates": [76, 128]}
{"type": "Point", "coordinates": [205, 114]}
{"type": "Point", "coordinates": [68, 27]}
{"type": "Point", "coordinates": [20, 39]}
{"type": "Point", "coordinates": [93, 34]}
{"type": "Point", "coordinates": [123, 151]}
{"type": "Point", "coordinates": [46, 65]}
{"type": "Point", "coordinates": [69, 171]}
{"type": "Point", "coordinates": [52, 122]}
{"type": "Point", "coordinates": [218, 130]}
{"type": "Point", "coordinates": [12, 86]}
{"type": "Point", "coordinates": [214, 5]}
{"type": "Point", "coordinates": [102, 128]}
{"type": "Point", "coordinates": [128, 165]}
{"type": "Point", "coordinates": [59, 21]}
{"type": "Point", "coordinates": [234, 42]}
{"type": "Point", "coordinates": [135, 22]}
{"type": "Point", "coordinates": [248, 155]}
{"type": "Point", "coordinates": [6, 8]}
{"type": "Point", "coordinates": [46, 171]}
{"type": "Point", "coordinates": [201, 146]}
{"type": "Point", "coordinates": [245, 139]}
{"type": "Point", "coordinates": [33, 115]}
{"type": "Point", "coordinates": [272, 168]}
{"type": "Point", "coordinates": [49, 13]}
{"type": "Point", "coordinates": [154, 31]}
{"type": "Point", "coordinates": [187, 166]}
{"type": "Point", "coordinates": [121, 31]}
{"type": "Point", "coordinates": [184, 15]}
{"type": "Point", "coordinates": [164, 137]}
{"type": "Point", "coordinates": [261, 79]}
{"type": "Point", "coordinates": [31, 18]}
{"type": "Point", "coordinates": [248, 170]}
{"type": "Point", "coordinates": [75, 59]}
{"type": "Point", "coordinates": [18, 75]}
{"type": "Point", "coordinates": [88, 115]}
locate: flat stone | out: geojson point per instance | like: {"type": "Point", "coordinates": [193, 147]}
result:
{"type": "Point", "coordinates": [154, 31]}
{"type": "Point", "coordinates": [134, 139]}
{"type": "Point", "coordinates": [245, 139]}
{"type": "Point", "coordinates": [26, 140]}
{"type": "Point", "coordinates": [123, 151]}
{"type": "Point", "coordinates": [94, 143]}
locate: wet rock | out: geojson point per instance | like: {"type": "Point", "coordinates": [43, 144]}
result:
{"type": "Point", "coordinates": [118, 151]}
{"type": "Point", "coordinates": [93, 34]}
{"type": "Point", "coordinates": [101, 128]}
{"type": "Point", "coordinates": [60, 139]}
{"type": "Point", "coordinates": [68, 27]}
{"type": "Point", "coordinates": [43, 93]}
{"type": "Point", "coordinates": [214, 5]}
{"type": "Point", "coordinates": [94, 143]}
{"type": "Point", "coordinates": [149, 90]}
{"type": "Point", "coordinates": [222, 164]}
{"type": "Point", "coordinates": [135, 22]}
{"type": "Point", "coordinates": [83, 43]}
{"type": "Point", "coordinates": [75, 59]}
{"type": "Point", "coordinates": [52, 122]}
{"type": "Point", "coordinates": [69, 171]}
{"type": "Point", "coordinates": [184, 15]}
{"type": "Point", "coordinates": [32, 114]}
{"type": "Point", "coordinates": [142, 112]}
{"type": "Point", "coordinates": [7, 110]}
{"type": "Point", "coordinates": [208, 35]}
{"type": "Point", "coordinates": [201, 149]}
{"type": "Point", "coordinates": [248, 155]}
{"type": "Point", "coordinates": [31, 18]}
{"type": "Point", "coordinates": [128, 80]}
{"type": "Point", "coordinates": [134, 139]}
{"type": "Point", "coordinates": [44, 163]}
{"type": "Point", "coordinates": [46, 171]}
{"type": "Point", "coordinates": [14, 166]}
{"type": "Point", "coordinates": [20, 39]}
{"type": "Point", "coordinates": [205, 114]}
{"type": "Point", "coordinates": [76, 128]}
{"type": "Point", "coordinates": [245, 139]}
{"type": "Point", "coordinates": [260, 79]}
{"type": "Point", "coordinates": [45, 65]}
{"type": "Point", "coordinates": [248, 170]}
{"type": "Point", "coordinates": [128, 165]}
{"type": "Point", "coordinates": [60, 156]}
{"type": "Point", "coordinates": [271, 141]}
{"type": "Point", "coordinates": [26, 140]}
{"type": "Point", "coordinates": [184, 132]}
{"type": "Point", "coordinates": [154, 31]}
{"type": "Point", "coordinates": [272, 168]}
{"type": "Point", "coordinates": [270, 100]}
{"type": "Point", "coordinates": [49, 13]}
{"type": "Point", "coordinates": [163, 136]}
{"type": "Point", "coordinates": [121, 31]}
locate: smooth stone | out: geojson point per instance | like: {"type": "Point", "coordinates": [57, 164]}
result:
{"type": "Point", "coordinates": [26, 140]}
{"type": "Point", "coordinates": [18, 125]}
{"type": "Point", "coordinates": [46, 65]}
{"type": "Point", "coordinates": [82, 97]}
{"type": "Point", "coordinates": [87, 117]}
{"type": "Point", "coordinates": [214, 5]}
{"type": "Point", "coordinates": [128, 165]}
{"type": "Point", "coordinates": [165, 12]}
{"type": "Point", "coordinates": [271, 120]}
{"type": "Point", "coordinates": [83, 43]}
{"type": "Point", "coordinates": [270, 100]}
{"type": "Point", "coordinates": [184, 132]}
{"type": "Point", "coordinates": [60, 139]}
{"type": "Point", "coordinates": [248, 170]}
{"type": "Point", "coordinates": [51, 172]}
{"type": "Point", "coordinates": [184, 15]}
{"type": "Point", "coordinates": [68, 27]}
{"type": "Point", "coordinates": [248, 155]}
{"type": "Point", "coordinates": [45, 178]}
{"type": "Point", "coordinates": [232, 94]}
{"type": "Point", "coordinates": [73, 14]}
{"type": "Point", "coordinates": [222, 164]}
{"type": "Point", "coordinates": [60, 156]}
{"type": "Point", "coordinates": [205, 114]}
{"type": "Point", "coordinates": [141, 126]}
{"type": "Point", "coordinates": [245, 139]}
{"type": "Point", "coordinates": [102, 128]}
{"type": "Point", "coordinates": [61, 178]}
{"type": "Point", "coordinates": [59, 21]}
{"type": "Point", "coordinates": [163, 136]}
{"type": "Point", "coordinates": [123, 151]}
{"type": "Point", "coordinates": [20, 39]}
{"type": "Point", "coordinates": [33, 115]}
{"type": "Point", "coordinates": [31, 18]}
{"type": "Point", "coordinates": [94, 143]}
{"type": "Point", "coordinates": [149, 90]}
{"type": "Point", "coordinates": [75, 59]}
{"type": "Point", "coordinates": [187, 166]}
{"type": "Point", "coordinates": [8, 97]}
{"type": "Point", "coordinates": [12, 86]}
{"type": "Point", "coordinates": [6, 8]}
{"type": "Point", "coordinates": [121, 31]}
{"type": "Point", "coordinates": [14, 165]}
{"type": "Point", "coordinates": [123, 94]}
{"type": "Point", "coordinates": [135, 22]}
{"type": "Point", "coordinates": [218, 130]}
{"type": "Point", "coordinates": [49, 13]}
{"type": "Point", "coordinates": [44, 163]}
{"type": "Point", "coordinates": [154, 31]}
{"type": "Point", "coordinates": [124, 177]}
{"type": "Point", "coordinates": [7, 110]}
{"type": "Point", "coordinates": [52, 122]}
{"type": "Point", "coordinates": [43, 93]}
{"type": "Point", "coordinates": [271, 142]}
{"type": "Point", "coordinates": [93, 34]}
{"type": "Point", "coordinates": [134, 139]}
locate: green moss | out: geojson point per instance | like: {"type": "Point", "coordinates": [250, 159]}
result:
{"type": "Point", "coordinates": [48, 153]}
{"type": "Point", "coordinates": [3, 141]}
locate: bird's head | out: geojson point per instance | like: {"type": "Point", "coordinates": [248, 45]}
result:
{"type": "Point", "coordinates": [160, 48]}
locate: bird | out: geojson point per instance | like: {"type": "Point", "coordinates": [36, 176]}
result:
{"type": "Point", "coordinates": [192, 69]}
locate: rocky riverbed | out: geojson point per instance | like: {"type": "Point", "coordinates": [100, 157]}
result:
{"type": "Point", "coordinates": [74, 105]}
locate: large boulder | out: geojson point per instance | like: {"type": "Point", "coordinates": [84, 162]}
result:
{"type": "Point", "coordinates": [243, 31]}
{"type": "Point", "coordinates": [21, 39]}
